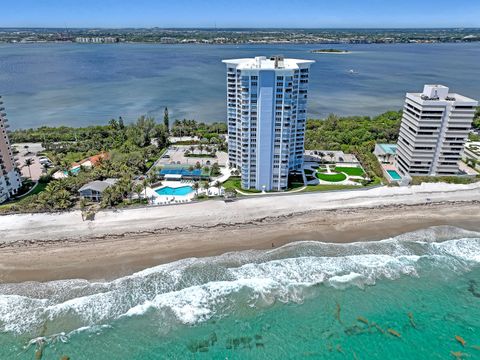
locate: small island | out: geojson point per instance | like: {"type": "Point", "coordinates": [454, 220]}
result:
{"type": "Point", "coordinates": [329, 51]}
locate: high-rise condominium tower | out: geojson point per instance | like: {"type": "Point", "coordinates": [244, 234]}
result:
{"type": "Point", "coordinates": [435, 126]}
{"type": "Point", "coordinates": [266, 109]}
{"type": "Point", "coordinates": [9, 177]}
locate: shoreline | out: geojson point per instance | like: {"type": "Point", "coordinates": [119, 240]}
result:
{"type": "Point", "coordinates": [242, 43]}
{"type": "Point", "coordinates": [332, 52]}
{"type": "Point", "coordinates": [44, 247]}
{"type": "Point", "coordinates": [113, 256]}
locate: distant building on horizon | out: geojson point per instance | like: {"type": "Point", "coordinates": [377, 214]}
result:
{"type": "Point", "coordinates": [10, 180]}
{"type": "Point", "coordinates": [97, 40]}
{"type": "Point", "coordinates": [266, 116]}
{"type": "Point", "coordinates": [435, 126]}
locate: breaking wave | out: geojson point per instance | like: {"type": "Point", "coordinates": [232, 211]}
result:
{"type": "Point", "coordinates": [194, 290]}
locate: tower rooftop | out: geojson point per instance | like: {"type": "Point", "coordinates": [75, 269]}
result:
{"type": "Point", "coordinates": [264, 63]}
{"type": "Point", "coordinates": [441, 94]}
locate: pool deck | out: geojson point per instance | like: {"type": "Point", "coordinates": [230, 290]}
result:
{"type": "Point", "coordinates": [157, 199]}
{"type": "Point", "coordinates": [390, 167]}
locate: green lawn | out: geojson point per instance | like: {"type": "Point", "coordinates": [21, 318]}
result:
{"type": "Point", "coordinates": [308, 171]}
{"type": "Point", "coordinates": [331, 177]}
{"type": "Point", "coordinates": [235, 183]}
{"type": "Point", "coordinates": [352, 171]}
{"type": "Point", "coordinates": [38, 189]}
{"type": "Point", "coordinates": [295, 185]}
{"type": "Point", "coordinates": [72, 156]}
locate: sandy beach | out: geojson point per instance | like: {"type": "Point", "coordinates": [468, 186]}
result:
{"type": "Point", "coordinates": [41, 247]}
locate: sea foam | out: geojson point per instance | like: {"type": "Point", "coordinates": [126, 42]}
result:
{"type": "Point", "coordinates": [194, 290]}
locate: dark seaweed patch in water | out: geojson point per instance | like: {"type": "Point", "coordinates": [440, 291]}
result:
{"type": "Point", "coordinates": [243, 342]}
{"type": "Point", "coordinates": [355, 330]}
{"type": "Point", "coordinates": [472, 284]}
{"type": "Point", "coordinates": [202, 345]}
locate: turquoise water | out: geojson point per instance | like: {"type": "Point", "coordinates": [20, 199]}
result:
{"type": "Point", "coordinates": [389, 148]}
{"type": "Point", "coordinates": [74, 171]}
{"type": "Point", "coordinates": [394, 175]}
{"type": "Point", "coordinates": [179, 191]}
{"type": "Point", "coordinates": [306, 300]}
{"type": "Point", "coordinates": [79, 84]}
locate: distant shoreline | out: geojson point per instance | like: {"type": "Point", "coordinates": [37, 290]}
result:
{"type": "Point", "coordinates": [330, 51]}
{"type": "Point", "coordinates": [245, 43]}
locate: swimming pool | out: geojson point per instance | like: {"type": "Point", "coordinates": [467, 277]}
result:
{"type": "Point", "coordinates": [394, 175]}
{"type": "Point", "coordinates": [73, 171]}
{"type": "Point", "coordinates": [179, 191]}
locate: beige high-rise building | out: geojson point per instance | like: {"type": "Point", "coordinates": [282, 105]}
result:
{"type": "Point", "coordinates": [435, 126]}
{"type": "Point", "coordinates": [10, 180]}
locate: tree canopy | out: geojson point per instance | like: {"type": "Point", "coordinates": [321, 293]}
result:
{"type": "Point", "coordinates": [343, 133]}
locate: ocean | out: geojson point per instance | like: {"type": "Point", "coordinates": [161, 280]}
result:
{"type": "Point", "coordinates": [406, 297]}
{"type": "Point", "coordinates": [83, 84]}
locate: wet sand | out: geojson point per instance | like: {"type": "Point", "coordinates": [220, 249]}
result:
{"type": "Point", "coordinates": [112, 256]}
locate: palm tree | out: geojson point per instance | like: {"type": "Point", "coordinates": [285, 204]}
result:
{"type": "Point", "coordinates": [62, 199]}
{"type": "Point", "coordinates": [125, 186]}
{"type": "Point", "coordinates": [138, 188]}
{"type": "Point", "coordinates": [28, 163]}
{"type": "Point", "coordinates": [215, 169]}
{"type": "Point", "coordinates": [152, 177]}
{"type": "Point", "coordinates": [145, 184]}
{"type": "Point", "coordinates": [111, 196]}
{"type": "Point", "coordinates": [83, 206]}
{"type": "Point", "coordinates": [53, 187]}
{"type": "Point", "coordinates": [195, 187]}
{"type": "Point", "coordinates": [218, 185]}
{"type": "Point", "coordinates": [65, 166]}
{"type": "Point", "coordinates": [331, 155]}
{"type": "Point", "coordinates": [107, 197]}
{"type": "Point", "coordinates": [113, 124]}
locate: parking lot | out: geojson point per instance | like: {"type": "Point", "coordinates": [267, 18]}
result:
{"type": "Point", "coordinates": [29, 151]}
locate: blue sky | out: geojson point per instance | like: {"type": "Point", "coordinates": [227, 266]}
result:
{"type": "Point", "coordinates": [240, 13]}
